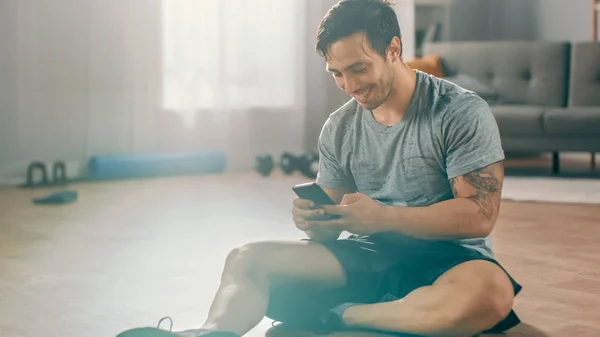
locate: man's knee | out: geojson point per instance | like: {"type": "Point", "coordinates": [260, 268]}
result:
{"type": "Point", "coordinates": [488, 300]}
{"type": "Point", "coordinates": [262, 259]}
{"type": "Point", "coordinates": [248, 261]}
{"type": "Point", "coordinates": [280, 261]}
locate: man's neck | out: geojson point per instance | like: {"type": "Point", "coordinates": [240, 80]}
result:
{"type": "Point", "coordinates": [395, 106]}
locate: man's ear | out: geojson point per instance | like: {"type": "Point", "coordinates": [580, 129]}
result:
{"type": "Point", "coordinates": [395, 49]}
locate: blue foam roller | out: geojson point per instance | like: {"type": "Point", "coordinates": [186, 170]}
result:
{"type": "Point", "coordinates": [103, 167]}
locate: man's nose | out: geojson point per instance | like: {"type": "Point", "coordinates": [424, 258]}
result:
{"type": "Point", "coordinates": [349, 86]}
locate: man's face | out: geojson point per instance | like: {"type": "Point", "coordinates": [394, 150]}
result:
{"type": "Point", "coordinates": [361, 71]}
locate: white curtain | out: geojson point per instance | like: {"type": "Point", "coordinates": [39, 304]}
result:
{"type": "Point", "coordinates": [232, 55]}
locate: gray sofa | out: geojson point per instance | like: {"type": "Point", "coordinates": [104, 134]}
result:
{"type": "Point", "coordinates": [545, 95]}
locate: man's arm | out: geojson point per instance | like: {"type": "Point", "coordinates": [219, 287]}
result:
{"type": "Point", "coordinates": [484, 188]}
{"type": "Point", "coordinates": [331, 177]}
{"type": "Point", "coordinates": [472, 213]}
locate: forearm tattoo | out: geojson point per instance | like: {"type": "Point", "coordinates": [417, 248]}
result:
{"type": "Point", "coordinates": [485, 184]}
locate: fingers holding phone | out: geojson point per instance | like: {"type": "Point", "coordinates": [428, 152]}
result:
{"type": "Point", "coordinates": [304, 211]}
{"type": "Point", "coordinates": [307, 206]}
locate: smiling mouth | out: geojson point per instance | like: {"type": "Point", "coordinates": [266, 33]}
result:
{"type": "Point", "coordinates": [363, 94]}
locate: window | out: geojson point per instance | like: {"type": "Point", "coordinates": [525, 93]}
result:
{"type": "Point", "coordinates": [233, 53]}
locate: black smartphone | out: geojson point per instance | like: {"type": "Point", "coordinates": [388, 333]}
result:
{"type": "Point", "coordinates": [313, 192]}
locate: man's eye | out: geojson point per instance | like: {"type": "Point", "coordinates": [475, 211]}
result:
{"type": "Point", "coordinates": [359, 70]}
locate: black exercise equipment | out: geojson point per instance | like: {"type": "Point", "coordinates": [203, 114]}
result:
{"type": "Point", "coordinates": [59, 175]}
{"type": "Point", "coordinates": [31, 169]}
{"type": "Point", "coordinates": [309, 165]}
{"type": "Point", "coordinates": [59, 172]}
{"type": "Point", "coordinates": [288, 163]}
{"type": "Point", "coordinates": [306, 164]}
{"type": "Point", "coordinates": [264, 165]}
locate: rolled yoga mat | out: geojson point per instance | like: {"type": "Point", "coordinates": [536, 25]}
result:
{"type": "Point", "coordinates": [105, 167]}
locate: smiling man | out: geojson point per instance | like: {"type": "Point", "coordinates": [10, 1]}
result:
{"type": "Point", "coordinates": [415, 165]}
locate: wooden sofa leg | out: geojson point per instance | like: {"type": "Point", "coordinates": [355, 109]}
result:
{"type": "Point", "coordinates": [593, 162]}
{"type": "Point", "coordinates": [555, 163]}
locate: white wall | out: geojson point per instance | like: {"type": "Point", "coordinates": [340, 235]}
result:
{"type": "Point", "coordinates": [8, 81]}
{"type": "Point", "coordinates": [564, 20]}
{"type": "Point", "coordinates": [514, 20]}
{"type": "Point", "coordinates": [550, 20]}
{"type": "Point", "coordinates": [82, 77]}
{"type": "Point", "coordinates": [78, 66]}
{"type": "Point", "coordinates": [470, 20]}
{"type": "Point", "coordinates": [558, 20]}
{"type": "Point", "coordinates": [405, 10]}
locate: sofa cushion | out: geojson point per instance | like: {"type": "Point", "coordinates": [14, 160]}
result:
{"type": "Point", "coordinates": [585, 74]}
{"type": "Point", "coordinates": [484, 90]}
{"type": "Point", "coordinates": [521, 72]}
{"type": "Point", "coordinates": [576, 122]}
{"type": "Point", "coordinates": [519, 120]}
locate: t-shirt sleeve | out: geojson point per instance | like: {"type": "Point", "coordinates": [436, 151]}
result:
{"type": "Point", "coordinates": [330, 174]}
{"type": "Point", "coordinates": [471, 137]}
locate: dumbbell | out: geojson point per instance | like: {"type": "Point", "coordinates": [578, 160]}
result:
{"type": "Point", "coordinates": [307, 164]}
{"type": "Point", "coordinates": [59, 175]}
{"type": "Point", "coordinates": [264, 165]}
{"type": "Point", "coordinates": [288, 163]}
{"type": "Point", "coordinates": [34, 167]}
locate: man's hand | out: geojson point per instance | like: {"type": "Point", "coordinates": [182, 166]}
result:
{"type": "Point", "coordinates": [305, 211]}
{"type": "Point", "coordinates": [358, 213]}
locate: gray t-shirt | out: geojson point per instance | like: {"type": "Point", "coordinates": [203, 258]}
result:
{"type": "Point", "coordinates": [446, 131]}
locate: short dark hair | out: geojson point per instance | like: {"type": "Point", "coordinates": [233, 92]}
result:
{"type": "Point", "coordinates": [374, 18]}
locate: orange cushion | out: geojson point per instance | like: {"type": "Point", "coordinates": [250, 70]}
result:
{"type": "Point", "coordinates": [430, 64]}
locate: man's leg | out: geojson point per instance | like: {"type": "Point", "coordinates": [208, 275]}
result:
{"type": "Point", "coordinates": [242, 299]}
{"type": "Point", "coordinates": [468, 299]}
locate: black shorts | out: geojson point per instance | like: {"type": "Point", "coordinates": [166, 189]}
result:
{"type": "Point", "coordinates": [376, 272]}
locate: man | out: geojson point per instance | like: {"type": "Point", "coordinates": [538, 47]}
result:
{"type": "Point", "coordinates": [415, 164]}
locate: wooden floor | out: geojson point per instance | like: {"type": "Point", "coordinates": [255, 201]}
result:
{"type": "Point", "coordinates": [130, 252]}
